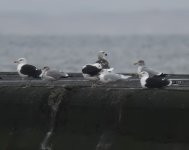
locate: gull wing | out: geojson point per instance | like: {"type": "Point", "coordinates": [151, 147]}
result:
{"type": "Point", "coordinates": [150, 71]}
{"type": "Point", "coordinates": [56, 74]}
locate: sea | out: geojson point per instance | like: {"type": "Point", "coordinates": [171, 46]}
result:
{"type": "Point", "coordinates": [165, 53]}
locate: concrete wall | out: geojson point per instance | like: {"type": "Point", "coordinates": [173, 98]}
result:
{"type": "Point", "coordinates": [93, 118]}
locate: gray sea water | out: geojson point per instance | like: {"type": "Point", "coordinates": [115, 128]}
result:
{"type": "Point", "coordinates": [167, 53]}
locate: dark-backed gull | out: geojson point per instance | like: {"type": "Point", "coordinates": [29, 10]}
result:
{"type": "Point", "coordinates": [26, 70]}
{"type": "Point", "coordinates": [153, 82]}
{"type": "Point", "coordinates": [91, 71]}
{"type": "Point", "coordinates": [151, 72]}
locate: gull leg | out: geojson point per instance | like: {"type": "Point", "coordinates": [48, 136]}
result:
{"type": "Point", "coordinates": [28, 83]}
{"type": "Point", "coordinates": [93, 84]}
{"type": "Point", "coordinates": [50, 84]}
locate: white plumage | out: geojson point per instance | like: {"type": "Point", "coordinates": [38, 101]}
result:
{"type": "Point", "coordinates": [107, 76]}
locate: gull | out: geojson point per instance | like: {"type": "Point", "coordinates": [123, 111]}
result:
{"type": "Point", "coordinates": [107, 76]}
{"type": "Point", "coordinates": [102, 59]}
{"type": "Point", "coordinates": [52, 75]}
{"type": "Point", "coordinates": [91, 72]}
{"type": "Point", "coordinates": [151, 72]}
{"type": "Point", "coordinates": [27, 71]}
{"type": "Point", "coordinates": [153, 82]}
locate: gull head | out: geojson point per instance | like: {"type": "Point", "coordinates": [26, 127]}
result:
{"type": "Point", "coordinates": [44, 71]}
{"type": "Point", "coordinates": [20, 61]}
{"type": "Point", "coordinates": [102, 55]}
{"type": "Point", "coordinates": [107, 71]}
{"type": "Point", "coordinates": [140, 63]}
{"type": "Point", "coordinates": [46, 68]}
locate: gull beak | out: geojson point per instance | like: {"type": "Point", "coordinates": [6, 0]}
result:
{"type": "Point", "coordinates": [110, 70]}
{"type": "Point", "coordinates": [136, 63]}
{"type": "Point", "coordinates": [16, 61]}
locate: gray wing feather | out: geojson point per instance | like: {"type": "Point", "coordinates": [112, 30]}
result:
{"type": "Point", "coordinates": [56, 74]}
{"type": "Point", "coordinates": [111, 77]}
{"type": "Point", "coordinates": [150, 71]}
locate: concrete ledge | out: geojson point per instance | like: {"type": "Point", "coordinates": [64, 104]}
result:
{"type": "Point", "coordinates": [81, 117]}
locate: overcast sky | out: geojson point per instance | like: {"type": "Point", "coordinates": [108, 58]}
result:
{"type": "Point", "coordinates": [94, 17]}
{"type": "Point", "coordinates": [76, 6]}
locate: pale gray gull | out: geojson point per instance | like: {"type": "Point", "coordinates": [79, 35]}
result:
{"type": "Point", "coordinates": [52, 75]}
{"type": "Point", "coordinates": [142, 67]}
{"type": "Point", "coordinates": [107, 76]}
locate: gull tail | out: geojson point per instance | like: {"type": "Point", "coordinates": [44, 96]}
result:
{"type": "Point", "coordinates": [110, 70]}
{"type": "Point", "coordinates": [124, 77]}
{"type": "Point", "coordinates": [64, 75]}
{"type": "Point", "coordinates": [170, 82]}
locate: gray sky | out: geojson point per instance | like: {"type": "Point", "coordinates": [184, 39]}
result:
{"type": "Point", "coordinates": [94, 17]}
{"type": "Point", "coordinates": [75, 6]}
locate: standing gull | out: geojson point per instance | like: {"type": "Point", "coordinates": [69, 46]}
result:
{"type": "Point", "coordinates": [52, 75]}
{"type": "Point", "coordinates": [102, 59]}
{"type": "Point", "coordinates": [106, 76]}
{"type": "Point", "coordinates": [142, 67]}
{"type": "Point", "coordinates": [153, 82]}
{"type": "Point", "coordinates": [26, 70]}
{"type": "Point", "coordinates": [91, 71]}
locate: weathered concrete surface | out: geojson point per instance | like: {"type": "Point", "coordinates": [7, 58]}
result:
{"type": "Point", "coordinates": [111, 117]}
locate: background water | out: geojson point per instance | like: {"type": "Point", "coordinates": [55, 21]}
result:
{"type": "Point", "coordinates": [167, 53]}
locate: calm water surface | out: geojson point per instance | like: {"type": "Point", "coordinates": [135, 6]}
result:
{"type": "Point", "coordinates": [69, 53]}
